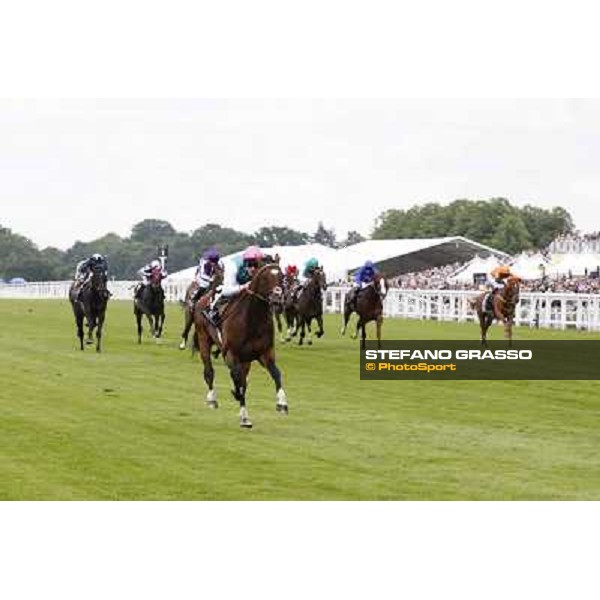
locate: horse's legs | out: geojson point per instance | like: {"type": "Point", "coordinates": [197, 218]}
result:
{"type": "Point", "coordinates": [347, 314]}
{"type": "Point", "coordinates": [79, 323]}
{"type": "Point", "coordinates": [301, 327]}
{"type": "Point", "coordinates": [279, 327]}
{"type": "Point", "coordinates": [239, 374]}
{"type": "Point", "coordinates": [99, 330]}
{"type": "Point", "coordinates": [359, 324]}
{"type": "Point", "coordinates": [160, 321]}
{"type": "Point", "coordinates": [138, 319]}
{"type": "Point", "coordinates": [484, 324]}
{"type": "Point", "coordinates": [204, 345]}
{"type": "Point", "coordinates": [363, 337]}
{"type": "Point", "coordinates": [267, 360]}
{"type": "Point", "coordinates": [321, 331]}
{"type": "Point", "coordinates": [152, 323]}
{"type": "Point", "coordinates": [186, 328]}
{"type": "Point", "coordinates": [309, 327]}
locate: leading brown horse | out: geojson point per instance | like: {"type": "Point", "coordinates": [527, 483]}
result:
{"type": "Point", "coordinates": [246, 334]}
{"type": "Point", "coordinates": [368, 305]}
{"type": "Point", "coordinates": [504, 304]}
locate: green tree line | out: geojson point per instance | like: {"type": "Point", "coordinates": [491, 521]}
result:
{"type": "Point", "coordinates": [493, 222]}
{"type": "Point", "coordinates": [19, 257]}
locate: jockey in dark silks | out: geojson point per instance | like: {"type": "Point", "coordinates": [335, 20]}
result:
{"type": "Point", "coordinates": [85, 268]}
{"type": "Point", "coordinates": [251, 260]}
{"type": "Point", "coordinates": [363, 277]}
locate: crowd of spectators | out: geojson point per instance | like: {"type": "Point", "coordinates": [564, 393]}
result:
{"type": "Point", "coordinates": [438, 278]}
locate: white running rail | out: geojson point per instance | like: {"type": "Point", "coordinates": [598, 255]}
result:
{"type": "Point", "coordinates": [556, 310]}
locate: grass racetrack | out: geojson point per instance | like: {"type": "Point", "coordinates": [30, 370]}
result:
{"type": "Point", "coordinates": [131, 423]}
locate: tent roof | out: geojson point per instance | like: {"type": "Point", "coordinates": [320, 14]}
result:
{"type": "Point", "coordinates": [406, 255]}
{"type": "Point", "coordinates": [394, 257]}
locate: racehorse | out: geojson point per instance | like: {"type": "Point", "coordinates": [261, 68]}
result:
{"type": "Point", "coordinates": [189, 308]}
{"type": "Point", "coordinates": [368, 305]}
{"type": "Point", "coordinates": [290, 310]}
{"type": "Point", "coordinates": [90, 302]}
{"type": "Point", "coordinates": [504, 304]}
{"type": "Point", "coordinates": [150, 301]}
{"type": "Point", "coordinates": [309, 305]}
{"type": "Point", "coordinates": [246, 334]}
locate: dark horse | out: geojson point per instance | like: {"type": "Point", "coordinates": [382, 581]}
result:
{"type": "Point", "coordinates": [503, 309]}
{"type": "Point", "coordinates": [90, 302]}
{"type": "Point", "coordinates": [150, 301]}
{"type": "Point", "coordinates": [189, 307]}
{"type": "Point", "coordinates": [290, 310]}
{"type": "Point", "coordinates": [246, 334]}
{"type": "Point", "coordinates": [285, 305]}
{"type": "Point", "coordinates": [309, 305]}
{"type": "Point", "coordinates": [368, 305]}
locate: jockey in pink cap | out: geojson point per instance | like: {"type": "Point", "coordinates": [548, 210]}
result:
{"type": "Point", "coordinates": [251, 262]}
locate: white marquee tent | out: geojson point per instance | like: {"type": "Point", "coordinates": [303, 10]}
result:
{"type": "Point", "coordinates": [477, 266]}
{"type": "Point", "coordinates": [391, 256]}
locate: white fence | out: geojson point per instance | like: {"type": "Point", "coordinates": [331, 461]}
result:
{"type": "Point", "coordinates": [568, 310]}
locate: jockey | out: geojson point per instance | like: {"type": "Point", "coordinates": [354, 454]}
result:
{"type": "Point", "coordinates": [311, 265]}
{"type": "Point", "coordinates": [499, 275]}
{"type": "Point", "coordinates": [291, 275]}
{"type": "Point", "coordinates": [363, 277]}
{"type": "Point", "coordinates": [146, 274]}
{"type": "Point", "coordinates": [208, 265]}
{"type": "Point", "coordinates": [235, 282]}
{"type": "Point", "coordinates": [85, 267]}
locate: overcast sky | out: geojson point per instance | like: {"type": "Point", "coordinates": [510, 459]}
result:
{"type": "Point", "coordinates": [76, 170]}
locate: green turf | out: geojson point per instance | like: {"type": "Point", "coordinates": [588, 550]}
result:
{"type": "Point", "coordinates": [131, 423]}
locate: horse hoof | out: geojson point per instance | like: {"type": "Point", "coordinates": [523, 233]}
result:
{"type": "Point", "coordinates": [353, 336]}
{"type": "Point", "coordinates": [212, 404]}
{"type": "Point", "coordinates": [246, 423]}
{"type": "Point", "coordinates": [309, 342]}
{"type": "Point", "coordinates": [89, 342]}
{"type": "Point", "coordinates": [319, 334]}
{"type": "Point", "coordinates": [282, 408]}
{"type": "Point", "coordinates": [182, 345]}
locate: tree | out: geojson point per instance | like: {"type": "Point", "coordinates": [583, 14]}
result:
{"type": "Point", "coordinates": [152, 230]}
{"type": "Point", "coordinates": [279, 236]}
{"type": "Point", "coordinates": [511, 235]}
{"type": "Point", "coordinates": [324, 236]}
{"type": "Point", "coordinates": [353, 237]}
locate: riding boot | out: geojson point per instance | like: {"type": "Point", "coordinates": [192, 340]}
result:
{"type": "Point", "coordinates": [196, 296]}
{"type": "Point", "coordinates": [211, 312]}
